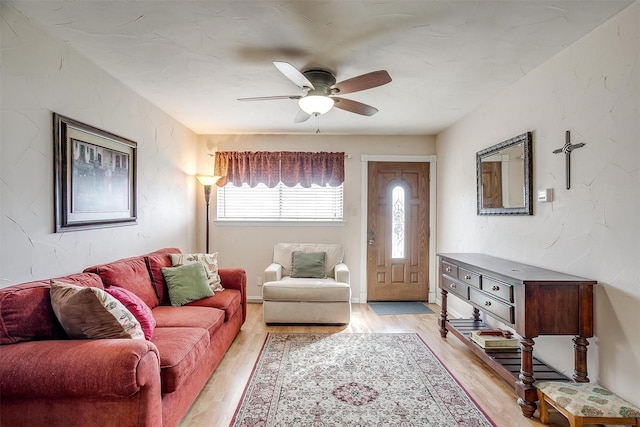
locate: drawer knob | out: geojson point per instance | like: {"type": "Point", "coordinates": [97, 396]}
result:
{"type": "Point", "coordinates": [452, 285]}
{"type": "Point", "coordinates": [448, 269]}
{"type": "Point", "coordinates": [495, 288]}
{"type": "Point", "coordinates": [467, 277]}
{"type": "Point", "coordinates": [487, 303]}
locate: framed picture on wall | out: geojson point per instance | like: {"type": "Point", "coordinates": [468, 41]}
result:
{"type": "Point", "coordinates": [95, 177]}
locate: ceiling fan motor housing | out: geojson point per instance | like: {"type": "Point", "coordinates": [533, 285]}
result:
{"type": "Point", "coordinates": [322, 80]}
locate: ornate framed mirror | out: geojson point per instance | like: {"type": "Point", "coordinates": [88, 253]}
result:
{"type": "Point", "coordinates": [504, 177]}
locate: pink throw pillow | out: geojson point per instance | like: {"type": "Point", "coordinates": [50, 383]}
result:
{"type": "Point", "coordinates": [137, 307]}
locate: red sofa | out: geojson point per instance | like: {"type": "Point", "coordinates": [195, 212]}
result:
{"type": "Point", "coordinates": [48, 379]}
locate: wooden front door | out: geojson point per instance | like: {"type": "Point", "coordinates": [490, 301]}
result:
{"type": "Point", "coordinates": [492, 184]}
{"type": "Point", "coordinates": [398, 231]}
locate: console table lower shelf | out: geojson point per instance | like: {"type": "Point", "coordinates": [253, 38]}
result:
{"type": "Point", "coordinates": [505, 362]}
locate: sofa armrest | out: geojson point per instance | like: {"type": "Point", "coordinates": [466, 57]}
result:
{"type": "Point", "coordinates": [78, 368]}
{"type": "Point", "coordinates": [342, 273]}
{"type": "Point", "coordinates": [235, 278]}
{"type": "Point", "coordinates": [273, 272]}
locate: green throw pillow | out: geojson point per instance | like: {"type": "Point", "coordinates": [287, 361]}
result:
{"type": "Point", "coordinates": [186, 283]}
{"type": "Point", "coordinates": [309, 264]}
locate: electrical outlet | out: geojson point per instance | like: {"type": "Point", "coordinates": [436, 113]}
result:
{"type": "Point", "coordinates": [259, 281]}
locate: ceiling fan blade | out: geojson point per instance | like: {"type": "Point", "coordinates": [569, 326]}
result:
{"type": "Point", "coordinates": [354, 106]}
{"type": "Point", "coordinates": [268, 98]}
{"type": "Point", "coordinates": [301, 117]}
{"type": "Point", "coordinates": [363, 82]}
{"type": "Point", "coordinates": [293, 74]}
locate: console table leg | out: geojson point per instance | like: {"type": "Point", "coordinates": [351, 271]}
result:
{"type": "Point", "coordinates": [580, 350]}
{"type": "Point", "coordinates": [527, 393]}
{"type": "Point", "coordinates": [442, 320]}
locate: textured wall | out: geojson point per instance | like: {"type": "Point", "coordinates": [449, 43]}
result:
{"type": "Point", "coordinates": [592, 230]}
{"type": "Point", "coordinates": [42, 75]}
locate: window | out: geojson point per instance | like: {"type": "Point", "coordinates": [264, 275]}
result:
{"type": "Point", "coordinates": [280, 203]}
{"type": "Point", "coordinates": [398, 222]}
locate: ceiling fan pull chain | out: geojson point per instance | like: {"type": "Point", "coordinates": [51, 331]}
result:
{"type": "Point", "coordinates": [317, 123]}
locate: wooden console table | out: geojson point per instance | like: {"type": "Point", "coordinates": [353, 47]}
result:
{"type": "Point", "coordinates": [533, 301]}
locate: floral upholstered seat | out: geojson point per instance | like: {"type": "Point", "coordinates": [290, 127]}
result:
{"type": "Point", "coordinates": [586, 403]}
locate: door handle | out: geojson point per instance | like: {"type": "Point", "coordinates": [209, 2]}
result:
{"type": "Point", "coordinates": [371, 241]}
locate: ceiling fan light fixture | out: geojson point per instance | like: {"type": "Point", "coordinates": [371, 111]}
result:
{"type": "Point", "coordinates": [316, 104]}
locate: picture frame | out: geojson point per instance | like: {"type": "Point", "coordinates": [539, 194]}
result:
{"type": "Point", "coordinates": [94, 177]}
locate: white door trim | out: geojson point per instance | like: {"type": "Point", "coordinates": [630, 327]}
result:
{"type": "Point", "coordinates": [364, 168]}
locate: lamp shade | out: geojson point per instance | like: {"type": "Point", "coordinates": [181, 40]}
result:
{"type": "Point", "coordinates": [315, 104]}
{"type": "Point", "coordinates": [208, 179]}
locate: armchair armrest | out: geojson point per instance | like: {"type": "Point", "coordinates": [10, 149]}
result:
{"type": "Point", "coordinates": [342, 273]}
{"type": "Point", "coordinates": [273, 272]}
{"type": "Point", "coordinates": [79, 368]}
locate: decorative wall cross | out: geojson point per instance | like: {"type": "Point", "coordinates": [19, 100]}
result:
{"type": "Point", "coordinates": [567, 149]}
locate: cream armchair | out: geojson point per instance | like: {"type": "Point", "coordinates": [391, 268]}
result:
{"type": "Point", "coordinates": [307, 283]}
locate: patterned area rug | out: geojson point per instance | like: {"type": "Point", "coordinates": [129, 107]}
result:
{"type": "Point", "coordinates": [353, 380]}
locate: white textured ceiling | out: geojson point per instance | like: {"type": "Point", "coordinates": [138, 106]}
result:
{"type": "Point", "coordinates": [193, 59]}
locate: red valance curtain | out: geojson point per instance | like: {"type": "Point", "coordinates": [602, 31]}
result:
{"type": "Point", "coordinates": [248, 167]}
{"type": "Point", "coordinates": [312, 168]}
{"type": "Point", "coordinates": [269, 168]}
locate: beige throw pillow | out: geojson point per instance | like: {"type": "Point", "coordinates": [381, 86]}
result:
{"type": "Point", "coordinates": [91, 313]}
{"type": "Point", "coordinates": [209, 261]}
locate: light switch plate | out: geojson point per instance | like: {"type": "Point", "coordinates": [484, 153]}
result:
{"type": "Point", "coordinates": [545, 195]}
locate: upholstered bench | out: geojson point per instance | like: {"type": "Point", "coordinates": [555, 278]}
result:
{"type": "Point", "coordinates": [585, 403]}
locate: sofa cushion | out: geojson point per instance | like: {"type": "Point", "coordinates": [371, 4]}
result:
{"type": "Point", "coordinates": [229, 300]}
{"type": "Point", "coordinates": [208, 261]}
{"type": "Point", "coordinates": [26, 313]}
{"type": "Point", "coordinates": [282, 254]}
{"type": "Point", "coordinates": [189, 317]}
{"type": "Point", "coordinates": [131, 274]}
{"type": "Point", "coordinates": [181, 349]}
{"type": "Point", "coordinates": [186, 283]}
{"type": "Point", "coordinates": [309, 264]}
{"type": "Point", "coordinates": [155, 261]}
{"type": "Point", "coordinates": [91, 313]}
{"type": "Point", "coordinates": [137, 307]}
{"type": "Point", "coordinates": [308, 290]}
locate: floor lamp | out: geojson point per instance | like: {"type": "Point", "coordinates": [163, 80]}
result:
{"type": "Point", "coordinates": [207, 181]}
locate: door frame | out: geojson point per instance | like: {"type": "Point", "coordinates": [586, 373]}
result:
{"type": "Point", "coordinates": [364, 186]}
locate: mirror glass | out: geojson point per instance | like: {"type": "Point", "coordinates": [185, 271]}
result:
{"type": "Point", "coordinates": [504, 178]}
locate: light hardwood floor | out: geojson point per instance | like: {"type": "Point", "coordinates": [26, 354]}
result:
{"type": "Point", "coordinates": [217, 402]}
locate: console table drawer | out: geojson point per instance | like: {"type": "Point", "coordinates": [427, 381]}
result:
{"type": "Point", "coordinates": [460, 289]}
{"type": "Point", "coordinates": [492, 305]}
{"type": "Point", "coordinates": [497, 288]}
{"type": "Point", "coordinates": [450, 269]}
{"type": "Point", "coordinates": [474, 279]}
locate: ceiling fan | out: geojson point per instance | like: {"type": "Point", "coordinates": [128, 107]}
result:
{"type": "Point", "coordinates": [319, 90]}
